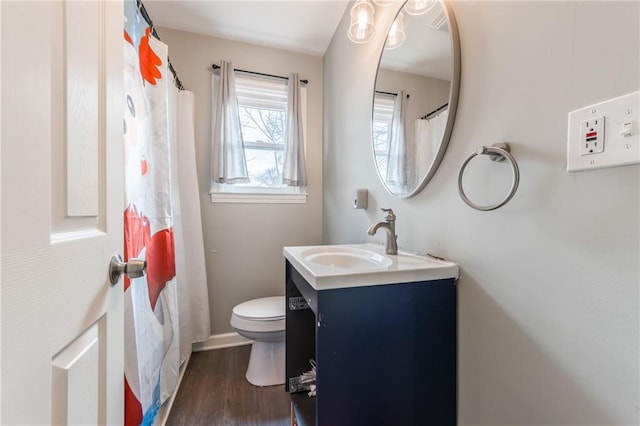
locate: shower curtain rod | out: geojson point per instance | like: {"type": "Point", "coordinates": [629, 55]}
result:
{"type": "Point", "coordinates": [145, 15]}
{"type": "Point", "coordinates": [440, 108]}
{"type": "Point", "coordinates": [389, 93]}
{"type": "Point", "coordinates": [216, 66]}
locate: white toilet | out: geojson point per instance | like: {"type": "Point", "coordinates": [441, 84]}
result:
{"type": "Point", "coordinates": [263, 321]}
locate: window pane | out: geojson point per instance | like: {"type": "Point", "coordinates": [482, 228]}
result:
{"type": "Point", "coordinates": [265, 166]}
{"type": "Point", "coordinates": [262, 125]}
{"type": "Point", "coordinates": [381, 135]}
{"type": "Point", "coordinates": [263, 133]}
{"type": "Point", "coordinates": [382, 118]}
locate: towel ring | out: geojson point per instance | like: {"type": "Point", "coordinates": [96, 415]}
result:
{"type": "Point", "coordinates": [496, 152]}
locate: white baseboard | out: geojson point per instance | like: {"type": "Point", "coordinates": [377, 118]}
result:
{"type": "Point", "coordinates": [219, 341]}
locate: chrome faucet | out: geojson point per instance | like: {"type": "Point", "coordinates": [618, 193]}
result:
{"type": "Point", "coordinates": [390, 226]}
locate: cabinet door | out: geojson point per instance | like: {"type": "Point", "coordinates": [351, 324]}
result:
{"type": "Point", "coordinates": [387, 355]}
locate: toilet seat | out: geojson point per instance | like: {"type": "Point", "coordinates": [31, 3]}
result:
{"type": "Point", "coordinates": [260, 315]}
{"type": "Point", "coordinates": [264, 309]}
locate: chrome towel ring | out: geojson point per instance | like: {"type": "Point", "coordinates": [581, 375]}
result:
{"type": "Point", "coordinates": [496, 152]}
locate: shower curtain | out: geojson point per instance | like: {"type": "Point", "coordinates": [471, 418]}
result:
{"type": "Point", "coordinates": [167, 309]}
{"type": "Point", "coordinates": [193, 300]}
{"type": "Point", "coordinates": [428, 138]}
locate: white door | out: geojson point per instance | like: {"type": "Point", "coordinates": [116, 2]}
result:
{"type": "Point", "coordinates": [62, 210]}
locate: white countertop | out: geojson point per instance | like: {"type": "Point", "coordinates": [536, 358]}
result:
{"type": "Point", "coordinates": [403, 268]}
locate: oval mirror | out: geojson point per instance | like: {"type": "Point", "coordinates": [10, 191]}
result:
{"type": "Point", "coordinates": [416, 95]}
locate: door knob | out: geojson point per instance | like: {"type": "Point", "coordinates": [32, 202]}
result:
{"type": "Point", "coordinates": [134, 268]}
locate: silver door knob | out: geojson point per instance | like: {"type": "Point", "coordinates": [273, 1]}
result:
{"type": "Point", "coordinates": [134, 268]}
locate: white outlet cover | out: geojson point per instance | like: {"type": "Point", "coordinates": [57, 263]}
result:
{"type": "Point", "coordinates": [619, 150]}
{"type": "Point", "coordinates": [592, 136]}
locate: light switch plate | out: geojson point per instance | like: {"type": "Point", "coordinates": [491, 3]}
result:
{"type": "Point", "coordinates": [592, 145]}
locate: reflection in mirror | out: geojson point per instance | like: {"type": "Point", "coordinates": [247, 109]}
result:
{"type": "Point", "coordinates": [415, 96]}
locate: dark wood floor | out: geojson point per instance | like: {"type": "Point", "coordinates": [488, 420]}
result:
{"type": "Point", "coordinates": [215, 392]}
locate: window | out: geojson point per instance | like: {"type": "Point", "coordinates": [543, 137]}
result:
{"type": "Point", "coordinates": [262, 106]}
{"type": "Point", "coordinates": [263, 119]}
{"type": "Point", "coordinates": [382, 120]}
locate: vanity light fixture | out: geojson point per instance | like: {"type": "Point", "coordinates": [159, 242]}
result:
{"type": "Point", "coordinates": [361, 27]}
{"type": "Point", "coordinates": [384, 2]}
{"type": "Point", "coordinates": [396, 36]}
{"type": "Point", "coordinates": [419, 7]}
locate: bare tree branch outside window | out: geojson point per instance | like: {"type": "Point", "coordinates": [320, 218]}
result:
{"type": "Point", "coordinates": [263, 130]}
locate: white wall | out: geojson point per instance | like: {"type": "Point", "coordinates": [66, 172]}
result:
{"type": "Point", "coordinates": [548, 298]}
{"type": "Point", "coordinates": [243, 242]}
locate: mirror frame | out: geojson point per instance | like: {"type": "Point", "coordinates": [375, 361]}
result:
{"type": "Point", "coordinates": [454, 92]}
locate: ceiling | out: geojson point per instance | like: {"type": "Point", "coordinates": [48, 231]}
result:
{"type": "Point", "coordinates": [304, 26]}
{"type": "Point", "coordinates": [426, 51]}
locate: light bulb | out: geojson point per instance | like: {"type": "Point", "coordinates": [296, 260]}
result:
{"type": "Point", "coordinates": [419, 7]}
{"type": "Point", "coordinates": [393, 30]}
{"type": "Point", "coordinates": [396, 35]}
{"type": "Point", "coordinates": [362, 20]}
{"type": "Point", "coordinates": [361, 27]}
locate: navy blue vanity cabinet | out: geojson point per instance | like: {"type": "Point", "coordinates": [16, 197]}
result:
{"type": "Point", "coordinates": [385, 354]}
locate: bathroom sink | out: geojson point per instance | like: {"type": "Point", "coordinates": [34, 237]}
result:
{"type": "Point", "coordinates": [353, 265]}
{"type": "Point", "coordinates": [345, 257]}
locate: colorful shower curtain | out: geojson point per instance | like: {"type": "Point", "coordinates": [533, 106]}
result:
{"type": "Point", "coordinates": [151, 303]}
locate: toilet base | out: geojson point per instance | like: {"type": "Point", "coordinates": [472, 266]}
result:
{"type": "Point", "coordinates": [266, 363]}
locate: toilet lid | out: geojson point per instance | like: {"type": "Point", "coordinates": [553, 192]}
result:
{"type": "Point", "coordinates": [266, 308]}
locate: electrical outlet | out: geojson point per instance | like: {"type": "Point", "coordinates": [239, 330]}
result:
{"type": "Point", "coordinates": [592, 134]}
{"type": "Point", "coordinates": [592, 145]}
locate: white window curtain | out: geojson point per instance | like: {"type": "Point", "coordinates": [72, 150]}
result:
{"type": "Point", "coordinates": [294, 167]}
{"type": "Point", "coordinates": [397, 165]}
{"type": "Point", "coordinates": [228, 162]}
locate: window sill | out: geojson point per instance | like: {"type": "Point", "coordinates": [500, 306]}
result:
{"type": "Point", "coordinates": [261, 196]}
